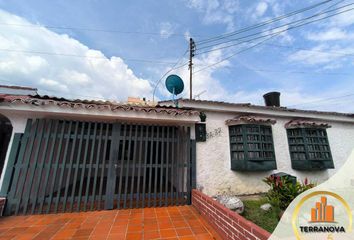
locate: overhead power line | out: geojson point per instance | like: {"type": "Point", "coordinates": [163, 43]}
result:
{"type": "Point", "coordinates": [322, 100]}
{"type": "Point", "coordinates": [95, 30]}
{"type": "Point", "coordinates": [268, 22]}
{"type": "Point", "coordinates": [301, 72]}
{"type": "Point", "coordinates": [230, 56]}
{"type": "Point", "coordinates": [82, 56]}
{"type": "Point", "coordinates": [261, 24]}
{"type": "Point", "coordinates": [310, 50]}
{"type": "Point", "coordinates": [275, 28]}
{"type": "Point", "coordinates": [271, 36]}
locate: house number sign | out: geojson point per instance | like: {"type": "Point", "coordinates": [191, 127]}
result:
{"type": "Point", "coordinates": [215, 133]}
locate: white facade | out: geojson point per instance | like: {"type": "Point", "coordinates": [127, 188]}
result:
{"type": "Point", "coordinates": [214, 174]}
{"type": "Point", "coordinates": [213, 170]}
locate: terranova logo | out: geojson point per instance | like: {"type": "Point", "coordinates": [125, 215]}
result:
{"type": "Point", "coordinates": [321, 215]}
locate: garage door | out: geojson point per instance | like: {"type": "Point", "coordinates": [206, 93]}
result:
{"type": "Point", "coordinates": [63, 166]}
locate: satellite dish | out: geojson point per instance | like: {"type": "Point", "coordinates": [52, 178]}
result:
{"type": "Point", "coordinates": [174, 84]}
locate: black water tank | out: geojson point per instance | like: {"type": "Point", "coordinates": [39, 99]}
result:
{"type": "Point", "coordinates": [272, 99]}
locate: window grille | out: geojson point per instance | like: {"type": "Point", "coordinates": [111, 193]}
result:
{"type": "Point", "coordinates": [251, 147]}
{"type": "Point", "coordinates": [309, 149]}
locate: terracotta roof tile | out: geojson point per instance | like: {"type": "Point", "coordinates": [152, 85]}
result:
{"type": "Point", "coordinates": [305, 123]}
{"type": "Point", "coordinates": [251, 106]}
{"type": "Point", "coordinates": [250, 119]}
{"type": "Point", "coordinates": [93, 105]}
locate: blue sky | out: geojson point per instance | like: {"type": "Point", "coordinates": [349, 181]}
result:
{"type": "Point", "coordinates": [312, 66]}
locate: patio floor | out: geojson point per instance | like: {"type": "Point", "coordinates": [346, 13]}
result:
{"type": "Point", "coordinates": [182, 222]}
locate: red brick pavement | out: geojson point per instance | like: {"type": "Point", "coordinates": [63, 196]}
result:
{"type": "Point", "coordinates": [179, 222]}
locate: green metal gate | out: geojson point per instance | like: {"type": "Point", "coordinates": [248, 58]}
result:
{"type": "Point", "coordinates": [64, 166]}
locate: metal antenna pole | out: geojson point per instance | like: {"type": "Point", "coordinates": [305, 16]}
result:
{"type": "Point", "coordinates": [191, 55]}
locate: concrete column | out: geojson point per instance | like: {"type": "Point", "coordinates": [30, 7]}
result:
{"type": "Point", "coordinates": [18, 126]}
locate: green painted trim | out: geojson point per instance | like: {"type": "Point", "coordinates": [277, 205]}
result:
{"type": "Point", "coordinates": [88, 179]}
{"type": "Point", "coordinates": [97, 165]}
{"type": "Point", "coordinates": [111, 175]}
{"type": "Point", "coordinates": [33, 165]}
{"type": "Point", "coordinates": [71, 159]}
{"type": "Point", "coordinates": [26, 166]}
{"type": "Point", "coordinates": [63, 166]}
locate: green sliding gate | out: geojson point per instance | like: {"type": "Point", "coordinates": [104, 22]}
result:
{"type": "Point", "coordinates": [63, 166]}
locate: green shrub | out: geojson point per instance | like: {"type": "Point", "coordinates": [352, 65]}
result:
{"type": "Point", "coordinates": [283, 191]}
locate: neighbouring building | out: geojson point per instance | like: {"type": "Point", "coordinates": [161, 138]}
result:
{"type": "Point", "coordinates": [60, 155]}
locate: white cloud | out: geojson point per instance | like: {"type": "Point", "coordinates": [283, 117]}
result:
{"type": "Point", "coordinates": [53, 84]}
{"type": "Point", "coordinates": [111, 78]}
{"type": "Point", "coordinates": [330, 35]}
{"type": "Point", "coordinates": [216, 11]}
{"type": "Point", "coordinates": [187, 35]}
{"type": "Point", "coordinates": [322, 54]}
{"type": "Point", "coordinates": [260, 9]}
{"type": "Point", "coordinates": [281, 34]}
{"type": "Point", "coordinates": [344, 19]}
{"type": "Point", "coordinates": [88, 74]}
{"type": "Point", "coordinates": [333, 100]}
{"type": "Point", "coordinates": [166, 29]}
{"type": "Point", "coordinates": [231, 6]}
{"type": "Point", "coordinates": [265, 10]}
{"type": "Point", "coordinates": [293, 92]}
{"type": "Point", "coordinates": [308, 57]}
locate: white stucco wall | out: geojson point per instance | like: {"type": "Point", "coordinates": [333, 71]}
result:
{"type": "Point", "coordinates": [213, 157]}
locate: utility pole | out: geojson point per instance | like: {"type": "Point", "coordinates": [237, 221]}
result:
{"type": "Point", "coordinates": [191, 55]}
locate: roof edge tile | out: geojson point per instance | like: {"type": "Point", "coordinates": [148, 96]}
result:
{"type": "Point", "coordinates": [252, 106]}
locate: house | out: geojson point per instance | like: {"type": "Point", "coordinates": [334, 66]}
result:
{"type": "Point", "coordinates": [78, 155]}
{"type": "Point", "coordinates": [246, 143]}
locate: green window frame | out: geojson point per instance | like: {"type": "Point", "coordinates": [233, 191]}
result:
{"type": "Point", "coordinates": [309, 149]}
{"type": "Point", "coordinates": [252, 147]}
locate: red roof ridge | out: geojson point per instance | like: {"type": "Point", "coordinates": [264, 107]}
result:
{"type": "Point", "coordinates": [285, 109]}
{"type": "Point", "coordinates": [250, 119]}
{"type": "Point", "coordinates": [92, 104]}
{"type": "Point", "coordinates": [305, 123]}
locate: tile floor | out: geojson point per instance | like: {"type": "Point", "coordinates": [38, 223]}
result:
{"type": "Point", "coordinates": [182, 222]}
